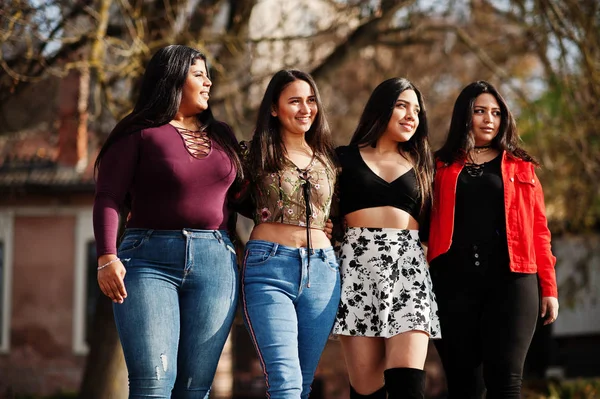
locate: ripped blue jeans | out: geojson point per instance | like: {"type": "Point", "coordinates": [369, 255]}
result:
{"type": "Point", "coordinates": [182, 290]}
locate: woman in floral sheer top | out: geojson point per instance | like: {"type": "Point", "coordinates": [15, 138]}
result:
{"type": "Point", "coordinates": [290, 283]}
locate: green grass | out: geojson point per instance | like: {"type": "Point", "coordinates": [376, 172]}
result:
{"type": "Point", "coordinates": [568, 389]}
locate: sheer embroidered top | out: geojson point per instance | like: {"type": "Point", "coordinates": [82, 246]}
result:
{"type": "Point", "coordinates": [174, 179]}
{"type": "Point", "coordinates": [281, 197]}
{"type": "Point", "coordinates": [359, 187]}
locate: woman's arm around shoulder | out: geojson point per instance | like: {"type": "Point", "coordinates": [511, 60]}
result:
{"type": "Point", "coordinates": [240, 199]}
{"type": "Point", "coordinates": [341, 153]}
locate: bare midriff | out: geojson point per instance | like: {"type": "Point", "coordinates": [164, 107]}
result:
{"type": "Point", "coordinates": [289, 235]}
{"type": "Point", "coordinates": [386, 217]}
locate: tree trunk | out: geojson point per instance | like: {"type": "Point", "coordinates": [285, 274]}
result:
{"type": "Point", "coordinates": [222, 386]}
{"type": "Point", "coordinates": [105, 375]}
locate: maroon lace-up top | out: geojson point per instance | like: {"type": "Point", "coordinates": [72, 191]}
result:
{"type": "Point", "coordinates": [176, 179]}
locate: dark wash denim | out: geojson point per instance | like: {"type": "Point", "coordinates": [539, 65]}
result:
{"type": "Point", "coordinates": [288, 321]}
{"type": "Point", "coordinates": [182, 291]}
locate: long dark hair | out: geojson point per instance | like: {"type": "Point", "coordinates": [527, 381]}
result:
{"type": "Point", "coordinates": [267, 151]}
{"type": "Point", "coordinates": [160, 97]}
{"type": "Point", "coordinates": [374, 121]}
{"type": "Point", "coordinates": [460, 141]}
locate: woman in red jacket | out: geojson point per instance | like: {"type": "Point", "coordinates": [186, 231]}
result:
{"type": "Point", "coordinates": [489, 248]}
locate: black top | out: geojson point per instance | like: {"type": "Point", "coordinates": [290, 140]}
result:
{"type": "Point", "coordinates": [360, 187]}
{"type": "Point", "coordinates": [479, 210]}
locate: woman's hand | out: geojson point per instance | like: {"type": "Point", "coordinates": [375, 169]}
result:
{"type": "Point", "coordinates": [549, 309]}
{"type": "Point", "coordinates": [328, 229]}
{"type": "Point", "coordinates": [110, 278]}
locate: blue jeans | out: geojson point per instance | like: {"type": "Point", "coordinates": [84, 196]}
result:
{"type": "Point", "coordinates": [288, 321]}
{"type": "Point", "coordinates": [182, 290]}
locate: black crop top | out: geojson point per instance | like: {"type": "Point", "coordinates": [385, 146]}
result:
{"type": "Point", "coordinates": [360, 188]}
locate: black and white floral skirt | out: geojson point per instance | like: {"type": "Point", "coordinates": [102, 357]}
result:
{"type": "Point", "coordinates": [386, 286]}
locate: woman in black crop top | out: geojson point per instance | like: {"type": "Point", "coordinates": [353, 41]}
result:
{"type": "Point", "coordinates": [387, 311]}
{"type": "Point", "coordinates": [290, 276]}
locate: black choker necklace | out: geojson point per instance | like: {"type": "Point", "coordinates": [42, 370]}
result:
{"type": "Point", "coordinates": [479, 149]}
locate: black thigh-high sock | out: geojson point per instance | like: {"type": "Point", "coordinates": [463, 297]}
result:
{"type": "Point", "coordinates": [405, 383]}
{"type": "Point", "coordinates": [378, 394]}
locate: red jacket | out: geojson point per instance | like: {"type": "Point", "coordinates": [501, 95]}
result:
{"type": "Point", "coordinates": [526, 227]}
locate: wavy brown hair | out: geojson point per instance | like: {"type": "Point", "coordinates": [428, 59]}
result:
{"type": "Point", "coordinates": [159, 100]}
{"type": "Point", "coordinates": [461, 142]}
{"type": "Point", "coordinates": [267, 151]}
{"type": "Point", "coordinates": [374, 121]}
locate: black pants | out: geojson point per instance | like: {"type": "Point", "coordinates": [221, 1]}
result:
{"type": "Point", "coordinates": [488, 316]}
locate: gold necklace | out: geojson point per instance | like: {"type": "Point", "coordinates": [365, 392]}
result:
{"type": "Point", "coordinates": [483, 148]}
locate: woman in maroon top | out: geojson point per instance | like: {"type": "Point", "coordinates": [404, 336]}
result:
{"type": "Point", "coordinates": [169, 165]}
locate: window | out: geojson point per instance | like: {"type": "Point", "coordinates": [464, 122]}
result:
{"type": "Point", "coordinates": [84, 276]}
{"type": "Point", "coordinates": [92, 289]}
{"type": "Point", "coordinates": [6, 239]}
{"type": "Point", "coordinates": [86, 286]}
{"type": "Point", "coordinates": [2, 278]}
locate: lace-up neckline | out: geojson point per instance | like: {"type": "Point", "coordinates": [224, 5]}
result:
{"type": "Point", "coordinates": [476, 169]}
{"type": "Point", "coordinates": [196, 142]}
